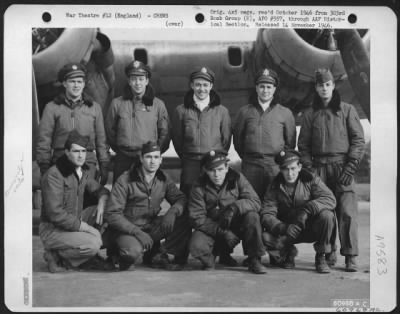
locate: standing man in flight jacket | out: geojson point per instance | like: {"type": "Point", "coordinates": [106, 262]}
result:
{"type": "Point", "coordinates": [331, 141]}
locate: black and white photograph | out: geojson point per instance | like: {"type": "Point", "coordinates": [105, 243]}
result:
{"type": "Point", "coordinates": [211, 168]}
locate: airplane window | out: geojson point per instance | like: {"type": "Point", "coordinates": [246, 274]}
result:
{"type": "Point", "coordinates": [141, 55]}
{"type": "Point", "coordinates": [235, 56]}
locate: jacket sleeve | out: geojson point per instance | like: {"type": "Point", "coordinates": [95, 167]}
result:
{"type": "Point", "coordinates": [101, 141]}
{"type": "Point", "coordinates": [95, 188]}
{"type": "Point", "coordinates": [175, 198]}
{"type": "Point", "coordinates": [53, 199]}
{"type": "Point", "coordinates": [248, 199]}
{"type": "Point", "coordinates": [198, 213]}
{"type": "Point", "coordinates": [321, 198]}
{"type": "Point", "coordinates": [163, 128]}
{"type": "Point", "coordinates": [114, 211]}
{"type": "Point", "coordinates": [305, 137]}
{"type": "Point", "coordinates": [111, 124]}
{"type": "Point", "coordinates": [269, 209]}
{"type": "Point", "coordinates": [226, 129]}
{"type": "Point", "coordinates": [46, 129]}
{"type": "Point", "coordinates": [356, 135]}
{"type": "Point", "coordinates": [290, 131]}
{"type": "Point", "coordinates": [238, 129]}
{"type": "Point", "coordinates": [177, 131]}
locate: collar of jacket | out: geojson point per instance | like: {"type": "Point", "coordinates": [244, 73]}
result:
{"type": "Point", "coordinates": [61, 99]}
{"type": "Point", "coordinates": [334, 104]}
{"type": "Point", "coordinates": [304, 176]}
{"type": "Point", "coordinates": [253, 100]}
{"type": "Point", "coordinates": [66, 167]}
{"type": "Point", "coordinates": [147, 98]}
{"type": "Point", "coordinates": [188, 100]}
{"type": "Point", "coordinates": [136, 177]}
{"type": "Point", "coordinates": [231, 177]}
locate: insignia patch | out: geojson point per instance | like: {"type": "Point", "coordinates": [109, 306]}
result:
{"type": "Point", "coordinates": [282, 153]}
{"type": "Point", "coordinates": [266, 72]}
{"type": "Point", "coordinates": [136, 64]}
{"type": "Point", "coordinates": [203, 70]}
{"type": "Point", "coordinates": [74, 67]}
{"type": "Point", "coordinates": [212, 153]}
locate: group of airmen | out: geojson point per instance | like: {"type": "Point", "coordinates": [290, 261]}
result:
{"type": "Point", "coordinates": [282, 197]}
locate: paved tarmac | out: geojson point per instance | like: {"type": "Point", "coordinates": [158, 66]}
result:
{"type": "Point", "coordinates": [194, 288]}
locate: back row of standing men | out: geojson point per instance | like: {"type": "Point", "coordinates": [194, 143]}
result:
{"type": "Point", "coordinates": [331, 138]}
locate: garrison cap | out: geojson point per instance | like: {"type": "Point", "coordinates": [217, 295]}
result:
{"type": "Point", "coordinates": [74, 137]}
{"type": "Point", "coordinates": [214, 158]}
{"type": "Point", "coordinates": [71, 70]}
{"type": "Point", "coordinates": [138, 68]}
{"type": "Point", "coordinates": [204, 73]}
{"type": "Point", "coordinates": [267, 76]}
{"type": "Point", "coordinates": [150, 147]}
{"type": "Point", "coordinates": [323, 76]}
{"type": "Point", "coordinates": [286, 157]}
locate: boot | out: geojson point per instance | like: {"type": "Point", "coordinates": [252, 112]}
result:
{"type": "Point", "coordinates": [274, 261]}
{"type": "Point", "coordinates": [288, 262]}
{"type": "Point", "coordinates": [255, 265]}
{"type": "Point", "coordinates": [97, 263]}
{"type": "Point", "coordinates": [227, 260]}
{"type": "Point", "coordinates": [53, 261]}
{"type": "Point", "coordinates": [321, 264]}
{"type": "Point", "coordinates": [161, 260]}
{"type": "Point", "coordinates": [208, 262]}
{"type": "Point", "coordinates": [331, 258]}
{"type": "Point", "coordinates": [351, 264]}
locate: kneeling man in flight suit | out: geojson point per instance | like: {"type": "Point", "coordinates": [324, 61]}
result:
{"type": "Point", "coordinates": [134, 224]}
{"type": "Point", "coordinates": [298, 207]}
{"type": "Point", "coordinates": [223, 208]}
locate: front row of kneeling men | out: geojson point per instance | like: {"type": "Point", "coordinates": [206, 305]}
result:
{"type": "Point", "coordinates": [223, 209]}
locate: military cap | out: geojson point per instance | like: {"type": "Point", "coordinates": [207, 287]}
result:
{"type": "Point", "coordinates": [323, 76]}
{"type": "Point", "coordinates": [71, 70]}
{"type": "Point", "coordinates": [150, 147]}
{"type": "Point", "coordinates": [204, 73]}
{"type": "Point", "coordinates": [137, 67]}
{"type": "Point", "coordinates": [267, 76]}
{"type": "Point", "coordinates": [74, 137]}
{"type": "Point", "coordinates": [286, 157]}
{"type": "Point", "coordinates": [214, 158]}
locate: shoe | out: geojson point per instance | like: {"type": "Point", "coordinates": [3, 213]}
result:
{"type": "Point", "coordinates": [331, 258]}
{"type": "Point", "coordinates": [255, 266]}
{"type": "Point", "coordinates": [161, 260]}
{"type": "Point", "coordinates": [97, 263]}
{"type": "Point", "coordinates": [125, 265]}
{"type": "Point", "coordinates": [208, 263]}
{"type": "Point", "coordinates": [274, 261]}
{"type": "Point", "coordinates": [321, 264]}
{"type": "Point", "coordinates": [351, 264]}
{"type": "Point", "coordinates": [288, 262]}
{"type": "Point", "coordinates": [228, 260]}
{"type": "Point", "coordinates": [53, 262]}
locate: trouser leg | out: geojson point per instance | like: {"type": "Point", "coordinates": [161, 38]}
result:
{"type": "Point", "coordinates": [250, 233]}
{"type": "Point", "coordinates": [321, 229]}
{"type": "Point", "coordinates": [191, 171]}
{"type": "Point", "coordinates": [347, 214]}
{"type": "Point", "coordinates": [201, 246]}
{"type": "Point", "coordinates": [74, 247]}
{"type": "Point", "coordinates": [129, 248]}
{"type": "Point", "coordinates": [254, 173]}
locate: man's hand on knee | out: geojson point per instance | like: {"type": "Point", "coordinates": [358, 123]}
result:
{"type": "Point", "coordinates": [144, 238]}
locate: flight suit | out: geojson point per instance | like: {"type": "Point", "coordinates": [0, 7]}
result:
{"type": "Point", "coordinates": [258, 136]}
{"type": "Point", "coordinates": [133, 204]}
{"type": "Point", "coordinates": [207, 203]}
{"type": "Point", "coordinates": [310, 195]}
{"type": "Point", "coordinates": [195, 133]}
{"type": "Point", "coordinates": [130, 123]}
{"type": "Point", "coordinates": [329, 138]}
{"type": "Point", "coordinates": [63, 211]}
{"type": "Point", "coordinates": [59, 118]}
